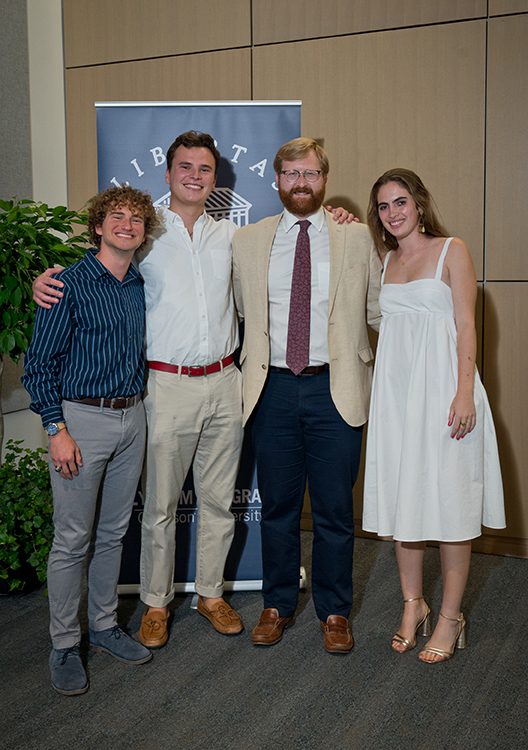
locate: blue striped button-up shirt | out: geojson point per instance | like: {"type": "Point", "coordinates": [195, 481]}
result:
{"type": "Point", "coordinates": [90, 344]}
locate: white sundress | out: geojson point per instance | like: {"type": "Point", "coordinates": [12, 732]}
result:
{"type": "Point", "coordinates": [420, 483]}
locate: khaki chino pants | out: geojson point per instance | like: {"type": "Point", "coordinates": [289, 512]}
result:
{"type": "Point", "coordinates": [191, 421]}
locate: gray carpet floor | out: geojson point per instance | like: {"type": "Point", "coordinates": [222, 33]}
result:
{"type": "Point", "coordinates": [206, 691]}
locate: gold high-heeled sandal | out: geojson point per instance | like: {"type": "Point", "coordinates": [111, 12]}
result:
{"type": "Point", "coordinates": [423, 628]}
{"type": "Point", "coordinates": [459, 642]}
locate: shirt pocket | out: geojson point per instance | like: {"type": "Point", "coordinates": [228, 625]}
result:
{"type": "Point", "coordinates": [221, 263]}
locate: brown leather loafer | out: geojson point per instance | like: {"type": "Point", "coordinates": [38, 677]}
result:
{"type": "Point", "coordinates": [337, 635]}
{"type": "Point", "coordinates": [153, 630]}
{"type": "Point", "coordinates": [268, 629]}
{"type": "Point", "coordinates": [223, 618]}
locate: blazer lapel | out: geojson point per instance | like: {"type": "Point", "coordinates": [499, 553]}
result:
{"type": "Point", "coordinates": [263, 249]}
{"type": "Point", "coordinates": [336, 234]}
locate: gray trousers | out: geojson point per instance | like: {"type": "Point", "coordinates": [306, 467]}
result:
{"type": "Point", "coordinates": [91, 513]}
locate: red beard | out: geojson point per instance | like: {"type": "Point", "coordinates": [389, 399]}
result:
{"type": "Point", "coordinates": [306, 205]}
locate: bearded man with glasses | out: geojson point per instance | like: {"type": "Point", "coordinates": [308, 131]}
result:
{"type": "Point", "coordinates": [306, 287]}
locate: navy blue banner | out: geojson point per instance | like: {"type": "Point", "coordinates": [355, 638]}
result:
{"type": "Point", "coordinates": [132, 139]}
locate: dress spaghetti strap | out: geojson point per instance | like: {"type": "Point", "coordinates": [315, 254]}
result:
{"type": "Point", "coordinates": [440, 266]}
{"type": "Point", "coordinates": [385, 266]}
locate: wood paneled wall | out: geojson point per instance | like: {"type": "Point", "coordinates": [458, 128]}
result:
{"type": "Point", "coordinates": [106, 31]}
{"type": "Point", "coordinates": [441, 88]}
{"type": "Point", "coordinates": [507, 147]}
{"type": "Point", "coordinates": [503, 7]}
{"type": "Point", "coordinates": [408, 97]}
{"type": "Point", "coordinates": [205, 76]}
{"type": "Point", "coordinates": [279, 21]}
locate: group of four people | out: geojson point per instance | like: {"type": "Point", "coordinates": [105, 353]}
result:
{"type": "Point", "coordinates": [307, 287]}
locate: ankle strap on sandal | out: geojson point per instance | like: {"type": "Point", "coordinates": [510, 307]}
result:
{"type": "Point", "coordinates": [453, 619]}
{"type": "Point", "coordinates": [416, 599]}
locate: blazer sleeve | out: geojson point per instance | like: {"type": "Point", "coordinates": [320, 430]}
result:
{"type": "Point", "coordinates": [374, 288]}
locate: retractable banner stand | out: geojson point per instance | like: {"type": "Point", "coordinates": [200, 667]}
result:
{"type": "Point", "coordinates": [132, 140]}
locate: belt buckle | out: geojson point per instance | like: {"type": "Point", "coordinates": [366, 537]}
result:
{"type": "Point", "coordinates": [197, 374]}
{"type": "Point", "coordinates": [117, 398]}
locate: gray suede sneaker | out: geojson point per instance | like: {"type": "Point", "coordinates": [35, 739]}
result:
{"type": "Point", "coordinates": [118, 644]}
{"type": "Point", "coordinates": [67, 672]}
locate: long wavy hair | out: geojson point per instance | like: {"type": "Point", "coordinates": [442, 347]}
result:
{"type": "Point", "coordinates": [422, 198]}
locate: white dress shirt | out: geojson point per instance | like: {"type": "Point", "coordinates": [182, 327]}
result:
{"type": "Point", "coordinates": [191, 317]}
{"type": "Point", "coordinates": [279, 286]}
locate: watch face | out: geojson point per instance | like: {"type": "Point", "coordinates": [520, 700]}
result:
{"type": "Point", "coordinates": [52, 429]}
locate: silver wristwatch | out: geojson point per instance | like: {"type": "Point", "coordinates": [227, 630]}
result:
{"type": "Point", "coordinates": [55, 427]}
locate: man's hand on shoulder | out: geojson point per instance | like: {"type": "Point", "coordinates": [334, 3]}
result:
{"type": "Point", "coordinates": [65, 452]}
{"type": "Point", "coordinates": [341, 215]}
{"type": "Point", "coordinates": [45, 289]}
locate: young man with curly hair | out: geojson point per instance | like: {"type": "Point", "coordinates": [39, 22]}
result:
{"type": "Point", "coordinates": [84, 372]}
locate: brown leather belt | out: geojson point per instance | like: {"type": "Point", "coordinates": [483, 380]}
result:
{"type": "Point", "coordinates": [192, 371]}
{"type": "Point", "coordinates": [313, 370]}
{"type": "Point", "coordinates": [119, 402]}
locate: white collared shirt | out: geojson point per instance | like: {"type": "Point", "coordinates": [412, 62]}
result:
{"type": "Point", "coordinates": [279, 286]}
{"type": "Point", "coordinates": [191, 318]}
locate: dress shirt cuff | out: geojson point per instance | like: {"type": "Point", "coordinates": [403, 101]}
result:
{"type": "Point", "coordinates": [51, 414]}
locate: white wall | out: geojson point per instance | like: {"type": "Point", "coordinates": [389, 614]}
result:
{"type": "Point", "coordinates": [46, 94]}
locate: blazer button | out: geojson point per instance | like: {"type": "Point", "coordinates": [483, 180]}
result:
{"type": "Point", "coordinates": [263, 367]}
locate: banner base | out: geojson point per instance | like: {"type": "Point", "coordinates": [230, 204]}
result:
{"type": "Point", "coordinates": [188, 587]}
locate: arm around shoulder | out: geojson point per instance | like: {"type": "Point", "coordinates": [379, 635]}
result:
{"type": "Point", "coordinates": [46, 289]}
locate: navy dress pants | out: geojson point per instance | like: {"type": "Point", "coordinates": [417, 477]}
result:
{"type": "Point", "coordinates": [299, 435]}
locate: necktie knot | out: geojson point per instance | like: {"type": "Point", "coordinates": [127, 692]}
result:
{"type": "Point", "coordinates": [304, 224]}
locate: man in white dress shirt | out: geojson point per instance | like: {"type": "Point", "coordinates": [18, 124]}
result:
{"type": "Point", "coordinates": [193, 398]}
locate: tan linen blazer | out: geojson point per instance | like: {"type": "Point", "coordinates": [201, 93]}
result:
{"type": "Point", "coordinates": [355, 277]}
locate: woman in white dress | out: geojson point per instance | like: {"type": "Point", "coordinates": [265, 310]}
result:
{"type": "Point", "coordinates": [432, 468]}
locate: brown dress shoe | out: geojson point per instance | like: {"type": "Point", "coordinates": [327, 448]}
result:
{"type": "Point", "coordinates": [223, 618]}
{"type": "Point", "coordinates": [268, 629]}
{"type": "Point", "coordinates": [153, 630]}
{"type": "Point", "coordinates": [337, 635]}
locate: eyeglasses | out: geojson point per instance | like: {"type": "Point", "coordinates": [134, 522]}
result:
{"type": "Point", "coordinates": [310, 175]}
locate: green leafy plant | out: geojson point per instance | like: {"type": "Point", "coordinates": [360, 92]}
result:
{"type": "Point", "coordinates": [30, 243]}
{"type": "Point", "coordinates": [26, 513]}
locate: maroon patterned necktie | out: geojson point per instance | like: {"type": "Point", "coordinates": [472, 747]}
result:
{"type": "Point", "coordinates": [298, 346]}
